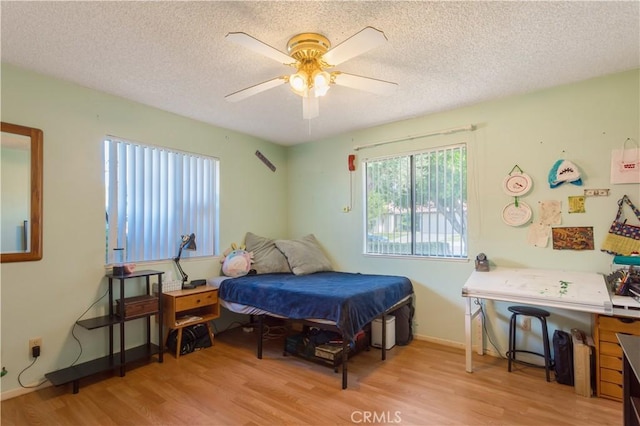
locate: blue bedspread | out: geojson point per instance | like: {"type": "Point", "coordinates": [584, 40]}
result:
{"type": "Point", "coordinates": [350, 300]}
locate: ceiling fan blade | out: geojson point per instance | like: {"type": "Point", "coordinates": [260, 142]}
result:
{"type": "Point", "coordinates": [252, 43]}
{"type": "Point", "coordinates": [373, 85]}
{"type": "Point", "coordinates": [355, 45]}
{"type": "Point", "coordinates": [310, 107]}
{"type": "Point", "coordinates": [254, 90]}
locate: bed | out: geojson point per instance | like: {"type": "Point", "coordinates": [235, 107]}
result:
{"type": "Point", "coordinates": [340, 301]}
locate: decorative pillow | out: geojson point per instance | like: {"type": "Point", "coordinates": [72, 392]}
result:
{"type": "Point", "coordinates": [267, 259]}
{"type": "Point", "coordinates": [236, 261]}
{"type": "Point", "coordinates": [304, 255]}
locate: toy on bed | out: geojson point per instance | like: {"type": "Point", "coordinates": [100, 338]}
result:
{"type": "Point", "coordinates": [236, 261]}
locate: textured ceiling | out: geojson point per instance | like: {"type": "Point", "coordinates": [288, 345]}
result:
{"type": "Point", "coordinates": [443, 55]}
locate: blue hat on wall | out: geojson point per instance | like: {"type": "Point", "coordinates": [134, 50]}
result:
{"type": "Point", "coordinates": [564, 171]}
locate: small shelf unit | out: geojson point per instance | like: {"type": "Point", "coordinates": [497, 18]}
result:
{"type": "Point", "coordinates": [117, 360]}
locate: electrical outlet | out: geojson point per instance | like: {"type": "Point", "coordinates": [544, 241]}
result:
{"type": "Point", "coordinates": [35, 341]}
{"type": "Point", "coordinates": [526, 324]}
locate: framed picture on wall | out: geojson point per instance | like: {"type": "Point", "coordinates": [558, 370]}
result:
{"type": "Point", "coordinates": [573, 238]}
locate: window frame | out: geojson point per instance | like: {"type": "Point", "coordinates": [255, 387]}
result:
{"type": "Point", "coordinates": [457, 255]}
{"type": "Point", "coordinates": [174, 225]}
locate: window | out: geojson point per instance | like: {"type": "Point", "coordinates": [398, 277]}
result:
{"type": "Point", "coordinates": [417, 204]}
{"type": "Point", "coordinates": [154, 196]}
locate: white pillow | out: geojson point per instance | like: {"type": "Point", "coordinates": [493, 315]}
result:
{"type": "Point", "coordinates": [304, 255]}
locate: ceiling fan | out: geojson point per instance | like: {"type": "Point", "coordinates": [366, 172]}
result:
{"type": "Point", "coordinates": [311, 55]}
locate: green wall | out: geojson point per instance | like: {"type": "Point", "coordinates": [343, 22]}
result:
{"type": "Point", "coordinates": [581, 122]}
{"type": "Point", "coordinates": [44, 298]}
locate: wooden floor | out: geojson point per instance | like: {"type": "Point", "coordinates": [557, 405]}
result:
{"type": "Point", "coordinates": [418, 384]}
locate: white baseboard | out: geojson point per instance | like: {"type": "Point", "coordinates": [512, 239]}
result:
{"type": "Point", "coordinates": [443, 342]}
{"type": "Point", "coordinates": [23, 391]}
{"type": "Point", "coordinates": [450, 343]}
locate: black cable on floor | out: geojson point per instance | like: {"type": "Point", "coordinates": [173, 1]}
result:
{"type": "Point", "coordinates": [25, 369]}
{"type": "Point", "coordinates": [75, 324]}
{"type": "Point", "coordinates": [486, 331]}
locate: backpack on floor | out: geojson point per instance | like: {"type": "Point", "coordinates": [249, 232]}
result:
{"type": "Point", "coordinates": [563, 357]}
{"type": "Point", "coordinates": [404, 319]}
{"type": "Point", "coordinates": [193, 337]}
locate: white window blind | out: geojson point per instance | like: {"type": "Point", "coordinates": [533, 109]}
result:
{"type": "Point", "coordinates": [154, 196]}
{"type": "Point", "coordinates": [417, 204]}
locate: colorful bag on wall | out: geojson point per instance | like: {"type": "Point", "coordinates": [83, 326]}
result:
{"type": "Point", "coordinates": [623, 239]}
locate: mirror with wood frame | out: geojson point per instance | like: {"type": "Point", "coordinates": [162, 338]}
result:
{"type": "Point", "coordinates": [21, 191]}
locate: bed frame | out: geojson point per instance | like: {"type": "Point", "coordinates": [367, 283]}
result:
{"type": "Point", "coordinates": [334, 327]}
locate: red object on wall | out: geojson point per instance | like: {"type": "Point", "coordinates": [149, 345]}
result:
{"type": "Point", "coordinates": [352, 162]}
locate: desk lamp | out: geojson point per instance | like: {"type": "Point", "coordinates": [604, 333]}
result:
{"type": "Point", "coordinates": [189, 243]}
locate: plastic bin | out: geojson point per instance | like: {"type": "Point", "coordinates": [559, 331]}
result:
{"type": "Point", "coordinates": [376, 332]}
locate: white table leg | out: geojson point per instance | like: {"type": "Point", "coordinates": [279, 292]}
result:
{"type": "Point", "coordinates": [469, 315]}
{"type": "Point", "coordinates": [468, 348]}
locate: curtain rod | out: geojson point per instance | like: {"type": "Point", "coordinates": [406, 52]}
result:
{"type": "Point", "coordinates": [468, 128]}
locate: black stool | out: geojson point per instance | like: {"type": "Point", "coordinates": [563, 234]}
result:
{"type": "Point", "coordinates": [542, 315]}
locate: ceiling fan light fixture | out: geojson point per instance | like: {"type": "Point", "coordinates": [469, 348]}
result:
{"type": "Point", "coordinates": [311, 54]}
{"type": "Point", "coordinates": [321, 82]}
{"type": "Point", "coordinates": [320, 92]}
{"type": "Point", "coordinates": [307, 46]}
{"type": "Point", "coordinates": [298, 81]}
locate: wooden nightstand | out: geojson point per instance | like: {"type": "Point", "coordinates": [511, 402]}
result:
{"type": "Point", "coordinates": [188, 307]}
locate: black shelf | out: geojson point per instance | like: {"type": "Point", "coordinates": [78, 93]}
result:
{"type": "Point", "coordinates": [136, 274]}
{"type": "Point", "coordinates": [99, 322]}
{"type": "Point", "coordinates": [119, 359]}
{"type": "Point", "coordinates": [296, 345]}
{"type": "Point", "coordinates": [99, 365]}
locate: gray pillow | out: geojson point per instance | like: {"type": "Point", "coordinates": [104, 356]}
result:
{"type": "Point", "coordinates": [267, 259]}
{"type": "Point", "coordinates": [304, 255]}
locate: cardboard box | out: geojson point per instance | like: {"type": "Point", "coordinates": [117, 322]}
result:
{"type": "Point", "coordinates": [330, 352]}
{"type": "Point", "coordinates": [137, 306]}
{"type": "Point", "coordinates": [582, 353]}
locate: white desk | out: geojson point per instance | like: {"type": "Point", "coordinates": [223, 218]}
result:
{"type": "Point", "coordinates": [577, 291]}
